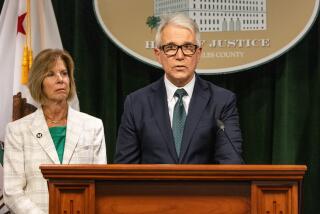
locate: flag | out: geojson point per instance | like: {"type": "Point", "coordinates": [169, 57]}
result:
{"type": "Point", "coordinates": [13, 30]}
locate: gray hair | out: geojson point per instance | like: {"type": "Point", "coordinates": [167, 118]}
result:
{"type": "Point", "coordinates": [178, 19]}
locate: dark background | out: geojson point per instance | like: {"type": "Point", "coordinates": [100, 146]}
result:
{"type": "Point", "coordinates": [278, 102]}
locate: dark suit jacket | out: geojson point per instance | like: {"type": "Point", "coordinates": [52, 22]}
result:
{"type": "Point", "coordinates": [145, 134]}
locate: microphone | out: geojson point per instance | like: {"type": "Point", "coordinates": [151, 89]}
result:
{"type": "Point", "coordinates": [221, 127]}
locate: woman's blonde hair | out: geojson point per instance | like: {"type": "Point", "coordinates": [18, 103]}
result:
{"type": "Point", "coordinates": [41, 66]}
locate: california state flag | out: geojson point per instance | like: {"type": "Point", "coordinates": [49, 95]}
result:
{"type": "Point", "coordinates": [13, 28]}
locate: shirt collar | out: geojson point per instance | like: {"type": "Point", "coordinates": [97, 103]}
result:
{"type": "Point", "coordinates": [171, 88]}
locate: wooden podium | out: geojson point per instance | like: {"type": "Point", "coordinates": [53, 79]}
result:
{"type": "Point", "coordinates": [174, 189]}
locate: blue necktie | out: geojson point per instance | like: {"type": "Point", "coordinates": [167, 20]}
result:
{"type": "Point", "coordinates": [179, 118]}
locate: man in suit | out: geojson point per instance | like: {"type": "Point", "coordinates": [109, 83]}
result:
{"type": "Point", "coordinates": [174, 120]}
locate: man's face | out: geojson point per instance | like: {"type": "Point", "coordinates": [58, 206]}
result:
{"type": "Point", "coordinates": [179, 68]}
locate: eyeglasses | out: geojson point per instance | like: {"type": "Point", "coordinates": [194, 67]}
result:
{"type": "Point", "coordinates": [172, 49]}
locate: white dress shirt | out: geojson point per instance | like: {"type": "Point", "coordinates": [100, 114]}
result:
{"type": "Point", "coordinates": [171, 89]}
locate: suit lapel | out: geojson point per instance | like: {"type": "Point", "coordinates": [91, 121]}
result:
{"type": "Point", "coordinates": [159, 106]}
{"type": "Point", "coordinates": [74, 130]}
{"type": "Point", "coordinates": [40, 132]}
{"type": "Point", "coordinates": [198, 102]}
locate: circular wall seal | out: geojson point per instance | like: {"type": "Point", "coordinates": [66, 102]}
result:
{"type": "Point", "coordinates": [236, 34]}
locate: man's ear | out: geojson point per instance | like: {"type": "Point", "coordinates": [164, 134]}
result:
{"type": "Point", "coordinates": [199, 52]}
{"type": "Point", "coordinates": [157, 52]}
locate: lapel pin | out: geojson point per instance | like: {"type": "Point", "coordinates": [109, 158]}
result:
{"type": "Point", "coordinates": [39, 135]}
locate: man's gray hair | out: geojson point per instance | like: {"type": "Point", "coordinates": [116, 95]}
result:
{"type": "Point", "coordinates": [178, 19]}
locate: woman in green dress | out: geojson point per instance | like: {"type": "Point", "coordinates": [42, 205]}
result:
{"type": "Point", "coordinates": [54, 134]}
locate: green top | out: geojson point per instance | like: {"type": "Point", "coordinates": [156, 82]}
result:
{"type": "Point", "coordinates": [58, 134]}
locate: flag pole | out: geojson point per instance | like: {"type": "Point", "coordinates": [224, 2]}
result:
{"type": "Point", "coordinates": [27, 50]}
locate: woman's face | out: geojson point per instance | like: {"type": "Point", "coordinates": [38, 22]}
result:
{"type": "Point", "coordinates": [56, 84]}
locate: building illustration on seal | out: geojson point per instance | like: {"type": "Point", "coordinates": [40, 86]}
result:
{"type": "Point", "coordinates": [218, 15]}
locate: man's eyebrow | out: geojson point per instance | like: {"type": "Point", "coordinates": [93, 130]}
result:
{"type": "Point", "coordinates": [186, 43]}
